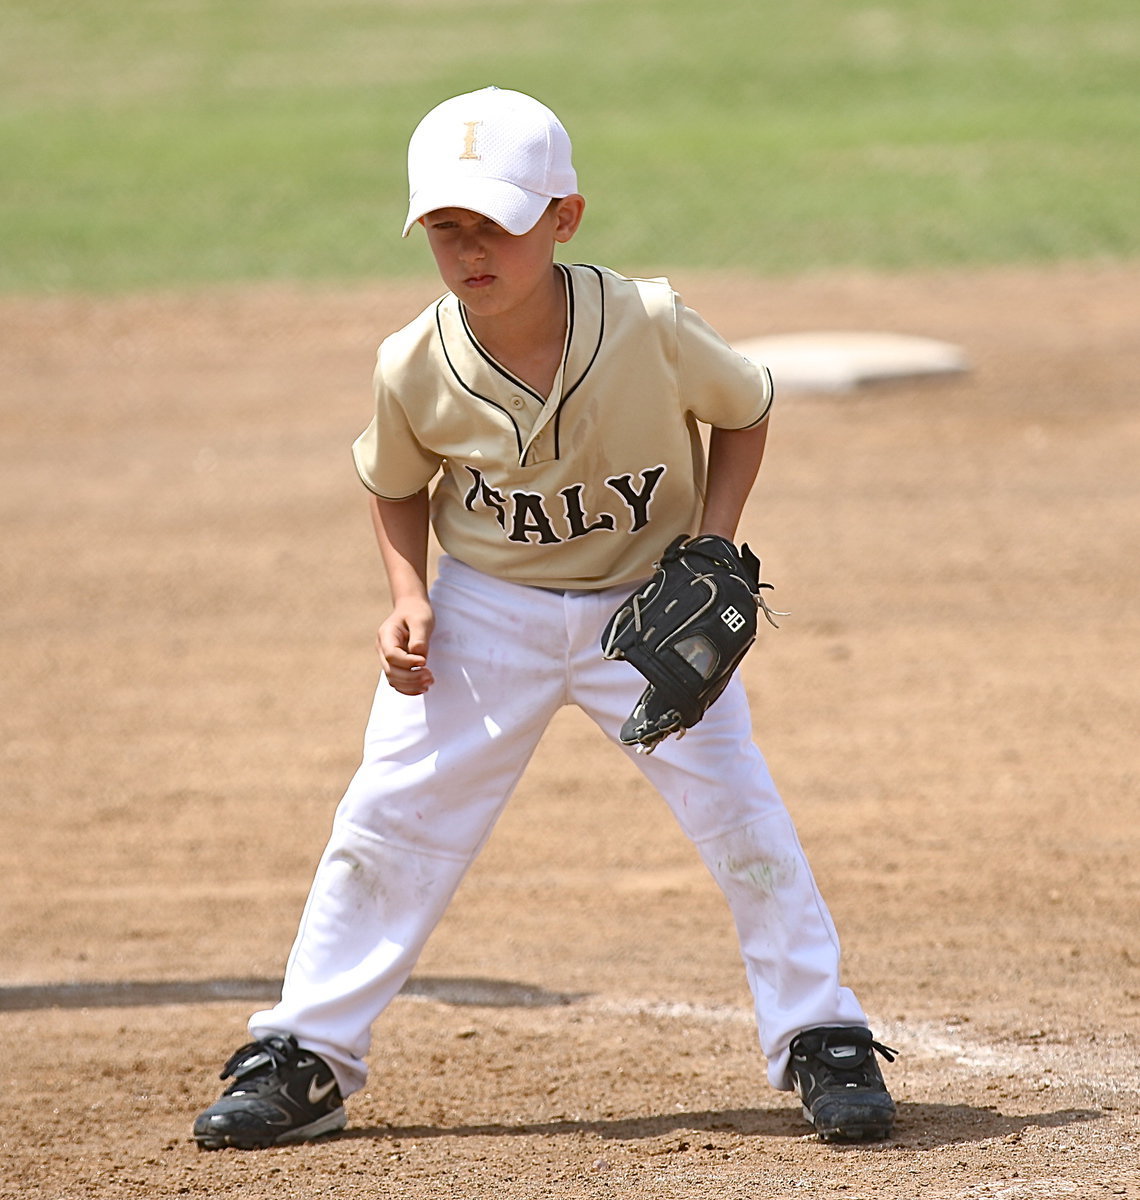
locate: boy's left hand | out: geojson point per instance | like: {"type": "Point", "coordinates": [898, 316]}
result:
{"type": "Point", "coordinates": [686, 631]}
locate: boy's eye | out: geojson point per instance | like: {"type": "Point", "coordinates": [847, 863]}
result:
{"type": "Point", "coordinates": [484, 226]}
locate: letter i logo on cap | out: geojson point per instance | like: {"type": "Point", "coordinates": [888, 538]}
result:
{"type": "Point", "coordinates": [469, 150]}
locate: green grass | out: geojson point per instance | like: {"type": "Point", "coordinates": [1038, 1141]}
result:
{"type": "Point", "coordinates": [156, 143]}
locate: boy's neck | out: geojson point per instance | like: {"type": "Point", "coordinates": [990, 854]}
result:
{"type": "Point", "coordinates": [528, 341]}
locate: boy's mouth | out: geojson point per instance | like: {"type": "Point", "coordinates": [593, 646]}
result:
{"type": "Point", "coordinates": [477, 281]}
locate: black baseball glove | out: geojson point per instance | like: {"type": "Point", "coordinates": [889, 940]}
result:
{"type": "Point", "coordinates": [686, 631]}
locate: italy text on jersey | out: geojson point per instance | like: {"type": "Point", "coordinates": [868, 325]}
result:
{"type": "Point", "coordinates": [525, 515]}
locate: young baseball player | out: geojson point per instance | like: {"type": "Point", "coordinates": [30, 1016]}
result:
{"type": "Point", "coordinates": [544, 420]}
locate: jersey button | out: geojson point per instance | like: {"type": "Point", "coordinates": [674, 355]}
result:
{"type": "Point", "coordinates": [516, 402]}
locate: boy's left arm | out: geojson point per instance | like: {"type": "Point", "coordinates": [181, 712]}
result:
{"type": "Point", "coordinates": [734, 460]}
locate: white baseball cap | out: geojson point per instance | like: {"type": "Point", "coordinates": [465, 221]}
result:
{"type": "Point", "coordinates": [495, 152]}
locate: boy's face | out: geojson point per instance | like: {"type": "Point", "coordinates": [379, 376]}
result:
{"type": "Point", "coordinates": [492, 271]}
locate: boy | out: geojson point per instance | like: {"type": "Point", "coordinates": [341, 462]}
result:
{"type": "Point", "coordinates": [559, 408]}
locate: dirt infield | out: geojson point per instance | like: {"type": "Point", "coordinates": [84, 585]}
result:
{"type": "Point", "coordinates": [190, 593]}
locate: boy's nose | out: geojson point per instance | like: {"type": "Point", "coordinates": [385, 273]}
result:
{"type": "Point", "coordinates": [471, 248]}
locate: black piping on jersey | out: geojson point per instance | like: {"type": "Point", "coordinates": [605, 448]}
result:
{"type": "Point", "coordinates": [463, 382]}
{"type": "Point", "coordinates": [571, 309]}
{"type": "Point", "coordinates": [568, 392]}
{"type": "Point", "coordinates": [771, 398]}
{"type": "Point", "coordinates": [493, 364]}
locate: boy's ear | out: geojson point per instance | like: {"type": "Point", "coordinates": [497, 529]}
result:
{"type": "Point", "coordinates": [568, 216]}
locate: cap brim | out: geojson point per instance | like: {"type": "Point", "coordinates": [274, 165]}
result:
{"type": "Point", "coordinates": [507, 204]}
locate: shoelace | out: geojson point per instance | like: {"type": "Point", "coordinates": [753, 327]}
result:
{"type": "Point", "coordinates": [860, 1072]}
{"type": "Point", "coordinates": [855, 1037]}
{"type": "Point", "coordinates": [857, 1073]}
{"type": "Point", "coordinates": [274, 1055]}
{"type": "Point", "coordinates": [886, 1051]}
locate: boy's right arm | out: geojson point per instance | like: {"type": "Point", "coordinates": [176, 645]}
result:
{"type": "Point", "coordinates": [403, 637]}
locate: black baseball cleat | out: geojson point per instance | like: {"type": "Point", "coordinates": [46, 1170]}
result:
{"type": "Point", "coordinates": [840, 1085]}
{"type": "Point", "coordinates": [280, 1093]}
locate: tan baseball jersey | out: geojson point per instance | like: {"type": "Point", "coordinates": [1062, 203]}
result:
{"type": "Point", "coordinates": [579, 489]}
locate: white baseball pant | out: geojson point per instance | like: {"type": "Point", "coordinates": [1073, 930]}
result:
{"type": "Point", "coordinates": [437, 771]}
